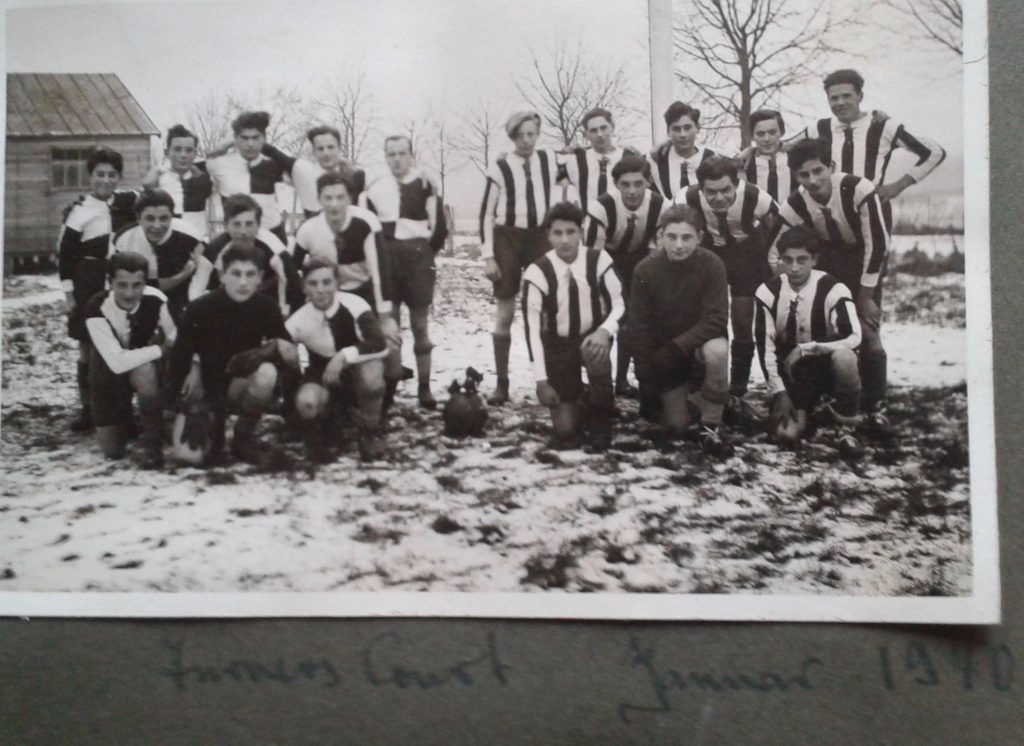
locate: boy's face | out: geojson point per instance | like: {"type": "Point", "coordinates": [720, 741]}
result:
{"type": "Point", "coordinates": [103, 181]}
{"type": "Point", "coordinates": [720, 193]}
{"type": "Point", "coordinates": [155, 222]}
{"type": "Point", "coordinates": [127, 288]}
{"type": "Point", "coordinates": [321, 285]}
{"type": "Point", "coordinates": [599, 134]}
{"type": "Point", "coordinates": [398, 156]}
{"type": "Point", "coordinates": [767, 135]}
{"type": "Point", "coordinates": [334, 200]}
{"type": "Point", "coordinates": [631, 186]}
{"type": "Point", "coordinates": [181, 152]}
{"type": "Point", "coordinates": [679, 240]}
{"type": "Point", "coordinates": [564, 237]}
{"type": "Point", "coordinates": [243, 228]}
{"type": "Point", "coordinates": [526, 138]}
{"type": "Point", "coordinates": [249, 142]}
{"type": "Point", "coordinates": [816, 178]}
{"type": "Point", "coordinates": [327, 151]}
{"type": "Point", "coordinates": [241, 280]}
{"type": "Point", "coordinates": [844, 100]}
{"type": "Point", "coordinates": [683, 134]}
{"type": "Point", "coordinates": [797, 263]}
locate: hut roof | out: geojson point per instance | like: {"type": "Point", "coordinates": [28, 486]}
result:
{"type": "Point", "coordinates": [73, 104]}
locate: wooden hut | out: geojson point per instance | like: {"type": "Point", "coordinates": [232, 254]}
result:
{"type": "Point", "coordinates": [52, 123]}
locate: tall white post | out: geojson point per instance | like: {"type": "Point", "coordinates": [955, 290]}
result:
{"type": "Point", "coordinates": [659, 19]}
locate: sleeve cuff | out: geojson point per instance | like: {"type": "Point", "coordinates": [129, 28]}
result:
{"type": "Point", "coordinates": [611, 326]}
{"type": "Point", "coordinates": [68, 286]}
{"type": "Point", "coordinates": [486, 251]}
{"type": "Point", "coordinates": [869, 281]}
{"type": "Point", "coordinates": [350, 354]}
{"type": "Point", "coordinates": [384, 307]}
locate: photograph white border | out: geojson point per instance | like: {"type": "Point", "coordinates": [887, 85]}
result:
{"type": "Point", "coordinates": [981, 607]}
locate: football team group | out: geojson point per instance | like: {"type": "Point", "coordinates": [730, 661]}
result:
{"type": "Point", "coordinates": [684, 262]}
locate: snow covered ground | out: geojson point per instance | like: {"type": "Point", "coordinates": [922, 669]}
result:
{"type": "Point", "coordinates": [500, 513]}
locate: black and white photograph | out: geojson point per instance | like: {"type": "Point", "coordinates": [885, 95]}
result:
{"type": "Point", "coordinates": [612, 309]}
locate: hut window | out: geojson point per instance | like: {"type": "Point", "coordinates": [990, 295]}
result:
{"type": "Point", "coordinates": [67, 168]}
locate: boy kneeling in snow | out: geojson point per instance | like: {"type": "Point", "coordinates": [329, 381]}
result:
{"type": "Point", "coordinates": [572, 304]}
{"type": "Point", "coordinates": [231, 345]}
{"type": "Point", "coordinates": [807, 331]}
{"type": "Point", "coordinates": [130, 328]}
{"type": "Point", "coordinates": [346, 346]}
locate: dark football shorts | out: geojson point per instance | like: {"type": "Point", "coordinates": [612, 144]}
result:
{"type": "Point", "coordinates": [515, 249]}
{"type": "Point", "coordinates": [690, 373]}
{"type": "Point", "coordinates": [811, 379]}
{"type": "Point", "coordinates": [564, 364]}
{"type": "Point", "coordinates": [109, 394]}
{"type": "Point", "coordinates": [342, 395]}
{"type": "Point", "coordinates": [846, 264]}
{"type": "Point", "coordinates": [412, 270]}
{"type": "Point", "coordinates": [746, 266]}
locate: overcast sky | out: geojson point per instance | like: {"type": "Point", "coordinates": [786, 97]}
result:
{"type": "Point", "coordinates": [442, 54]}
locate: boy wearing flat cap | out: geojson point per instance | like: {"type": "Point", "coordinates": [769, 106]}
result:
{"type": "Point", "coordinates": [519, 190]}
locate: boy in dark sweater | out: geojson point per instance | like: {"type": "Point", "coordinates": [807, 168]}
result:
{"type": "Point", "coordinates": [679, 305]}
{"type": "Point", "coordinates": [231, 344]}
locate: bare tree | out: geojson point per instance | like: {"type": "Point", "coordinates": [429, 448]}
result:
{"type": "Point", "coordinates": [476, 139]}
{"type": "Point", "coordinates": [210, 118]}
{"type": "Point", "coordinates": [742, 54]}
{"type": "Point", "coordinates": [937, 21]}
{"type": "Point", "coordinates": [564, 85]}
{"type": "Point", "coordinates": [346, 102]}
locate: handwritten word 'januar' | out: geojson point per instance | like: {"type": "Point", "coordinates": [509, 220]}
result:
{"type": "Point", "coordinates": [381, 666]}
{"type": "Point", "coordinates": [664, 680]}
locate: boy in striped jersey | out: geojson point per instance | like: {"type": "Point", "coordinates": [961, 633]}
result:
{"type": "Point", "coordinates": [326, 145]}
{"type": "Point", "coordinates": [352, 237]}
{"type": "Point", "coordinates": [242, 228]}
{"type": "Point", "coordinates": [735, 216]}
{"type": "Point", "coordinates": [246, 170]}
{"type": "Point", "coordinates": [346, 347]}
{"type": "Point", "coordinates": [185, 179]}
{"type": "Point", "coordinates": [807, 334]}
{"type": "Point", "coordinates": [82, 248]}
{"type": "Point", "coordinates": [674, 163]}
{"type": "Point", "coordinates": [679, 304]}
{"type": "Point", "coordinates": [130, 329]}
{"type": "Point", "coordinates": [572, 303]}
{"type": "Point", "coordinates": [590, 169]}
{"type": "Point", "coordinates": [177, 265]}
{"type": "Point", "coordinates": [765, 165]}
{"type": "Point", "coordinates": [410, 211]}
{"type": "Point", "coordinates": [517, 196]}
{"type": "Point", "coordinates": [624, 222]}
{"type": "Point", "coordinates": [862, 143]}
{"type": "Point", "coordinates": [846, 214]}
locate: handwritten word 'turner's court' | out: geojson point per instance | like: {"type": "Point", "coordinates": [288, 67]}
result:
{"type": "Point", "coordinates": [663, 680]}
{"type": "Point", "coordinates": [382, 665]}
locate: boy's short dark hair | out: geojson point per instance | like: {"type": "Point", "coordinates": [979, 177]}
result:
{"type": "Point", "coordinates": [236, 204]}
{"type": "Point", "coordinates": [251, 120]}
{"type": "Point", "coordinates": [631, 164]}
{"type": "Point", "coordinates": [235, 254]}
{"type": "Point", "coordinates": [153, 198]}
{"type": "Point", "coordinates": [335, 177]}
{"type": "Point", "coordinates": [393, 138]}
{"type": "Point", "coordinates": [564, 211]}
{"type": "Point", "coordinates": [846, 75]}
{"type": "Point", "coordinates": [318, 262]}
{"type": "Point", "coordinates": [678, 109]}
{"type": "Point", "coordinates": [105, 155]}
{"type": "Point", "coordinates": [597, 111]}
{"type": "Point", "coordinates": [128, 261]}
{"type": "Point", "coordinates": [799, 237]}
{"type": "Point", "coordinates": [323, 129]}
{"type": "Point", "coordinates": [681, 214]}
{"type": "Point", "coordinates": [717, 166]}
{"type": "Point", "coordinates": [808, 150]}
{"type": "Point", "coordinates": [180, 130]}
{"type": "Point", "coordinates": [762, 115]}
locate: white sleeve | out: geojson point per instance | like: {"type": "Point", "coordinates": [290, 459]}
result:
{"type": "Point", "coordinates": [117, 358]}
{"type": "Point", "coordinates": [614, 286]}
{"type": "Point", "coordinates": [533, 303]}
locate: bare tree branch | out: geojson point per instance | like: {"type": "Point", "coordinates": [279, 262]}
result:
{"type": "Point", "coordinates": [347, 103]}
{"type": "Point", "coordinates": [476, 138]}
